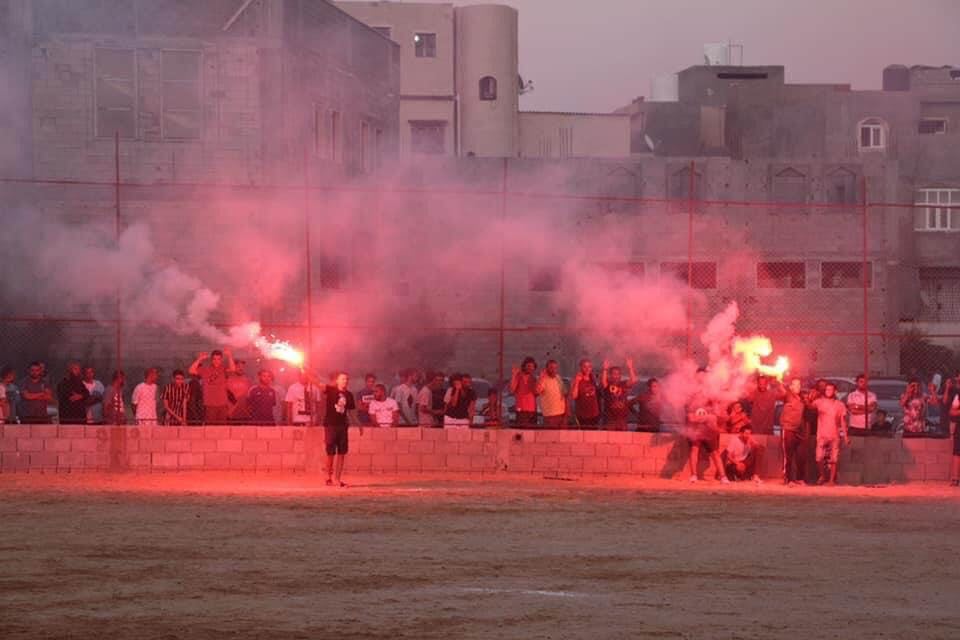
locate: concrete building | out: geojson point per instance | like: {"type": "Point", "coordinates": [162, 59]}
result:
{"type": "Point", "coordinates": [460, 87]}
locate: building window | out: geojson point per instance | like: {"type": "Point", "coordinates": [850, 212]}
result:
{"type": "Point", "coordinates": [428, 136]}
{"type": "Point", "coordinates": [841, 186]}
{"type": "Point", "coordinates": [781, 275]}
{"type": "Point", "coordinates": [384, 31]}
{"type": "Point", "coordinates": [845, 275]}
{"type": "Point", "coordinates": [679, 184]}
{"type": "Point", "coordinates": [625, 270]}
{"type": "Point", "coordinates": [700, 275]}
{"type": "Point", "coordinates": [940, 294]}
{"type": "Point", "coordinates": [331, 273]}
{"type": "Point", "coordinates": [488, 88]}
{"type": "Point", "coordinates": [544, 279]}
{"type": "Point", "coordinates": [931, 217]}
{"type": "Point", "coordinates": [789, 186]}
{"type": "Point", "coordinates": [931, 126]}
{"type": "Point", "coordinates": [115, 93]}
{"type": "Point", "coordinates": [872, 134]}
{"type": "Point", "coordinates": [182, 114]}
{"type": "Point", "coordinates": [425, 45]}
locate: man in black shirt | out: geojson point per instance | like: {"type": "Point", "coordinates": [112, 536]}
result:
{"type": "Point", "coordinates": [341, 408]}
{"type": "Point", "coordinates": [73, 396]}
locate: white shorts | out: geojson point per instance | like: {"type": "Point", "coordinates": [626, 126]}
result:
{"type": "Point", "coordinates": [456, 423]}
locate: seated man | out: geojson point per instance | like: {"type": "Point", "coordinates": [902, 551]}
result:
{"type": "Point", "coordinates": [881, 426]}
{"type": "Point", "coordinates": [742, 455]}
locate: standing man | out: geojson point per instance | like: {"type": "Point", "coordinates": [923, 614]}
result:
{"type": "Point", "coordinates": [384, 411]}
{"type": "Point", "coordinates": [213, 377]}
{"type": "Point", "coordinates": [553, 397]}
{"type": "Point", "coordinates": [95, 403]}
{"type": "Point", "coordinates": [861, 404]}
{"type": "Point", "coordinates": [336, 421]}
{"type": "Point", "coordinates": [301, 401]}
{"type": "Point", "coordinates": [365, 397]}
{"type": "Point", "coordinates": [586, 396]}
{"type": "Point", "coordinates": [523, 385]}
{"type": "Point", "coordinates": [238, 385]}
{"type": "Point", "coordinates": [144, 398]}
{"type": "Point", "coordinates": [615, 390]}
{"type": "Point", "coordinates": [649, 406]}
{"type": "Point", "coordinates": [405, 394]}
{"type": "Point", "coordinates": [831, 428]}
{"type": "Point", "coordinates": [176, 398]}
{"type": "Point", "coordinates": [763, 403]}
{"type": "Point", "coordinates": [427, 415]}
{"type": "Point", "coordinates": [114, 409]}
{"type": "Point", "coordinates": [459, 401]}
{"type": "Point", "coordinates": [73, 396]}
{"type": "Point", "coordinates": [793, 436]}
{"type": "Point", "coordinates": [36, 395]}
{"type": "Point", "coordinates": [950, 414]}
{"type": "Point", "coordinates": [9, 394]}
{"type": "Point", "coordinates": [703, 431]}
{"type": "Point", "coordinates": [262, 399]}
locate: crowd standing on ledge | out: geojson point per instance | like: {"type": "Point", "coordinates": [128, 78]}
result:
{"type": "Point", "coordinates": [216, 389]}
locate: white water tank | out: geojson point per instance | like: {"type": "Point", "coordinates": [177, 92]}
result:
{"type": "Point", "coordinates": [665, 88]}
{"type": "Point", "coordinates": [716, 54]}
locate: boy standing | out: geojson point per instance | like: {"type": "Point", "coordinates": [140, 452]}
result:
{"type": "Point", "coordinates": [336, 422]}
{"type": "Point", "coordinates": [831, 428]}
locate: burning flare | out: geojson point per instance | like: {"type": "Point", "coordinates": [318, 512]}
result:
{"type": "Point", "coordinates": [270, 347]}
{"type": "Point", "coordinates": [752, 350]}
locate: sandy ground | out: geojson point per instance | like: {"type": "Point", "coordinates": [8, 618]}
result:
{"type": "Point", "coordinates": [254, 556]}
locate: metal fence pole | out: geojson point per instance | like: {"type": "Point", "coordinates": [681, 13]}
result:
{"type": "Point", "coordinates": [691, 202]}
{"type": "Point", "coordinates": [864, 277]}
{"type": "Point", "coordinates": [307, 251]}
{"type": "Point", "coordinates": [503, 221]}
{"type": "Point", "coordinates": [118, 356]}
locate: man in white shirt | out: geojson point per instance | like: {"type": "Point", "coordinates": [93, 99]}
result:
{"type": "Point", "coordinates": [405, 394]}
{"type": "Point", "coordinates": [144, 398]}
{"type": "Point", "coordinates": [741, 455]}
{"type": "Point", "coordinates": [861, 404]}
{"type": "Point", "coordinates": [384, 411]}
{"type": "Point", "coordinates": [96, 389]}
{"type": "Point", "coordinates": [301, 401]}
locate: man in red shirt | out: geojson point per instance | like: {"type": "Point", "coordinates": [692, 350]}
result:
{"type": "Point", "coordinates": [214, 379]}
{"type": "Point", "coordinates": [523, 385]}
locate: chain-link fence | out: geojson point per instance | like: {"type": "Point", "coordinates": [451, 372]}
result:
{"type": "Point", "coordinates": [474, 270]}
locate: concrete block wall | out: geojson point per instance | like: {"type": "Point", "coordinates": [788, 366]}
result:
{"type": "Point", "coordinates": [63, 448]}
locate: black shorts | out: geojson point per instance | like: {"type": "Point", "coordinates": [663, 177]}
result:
{"type": "Point", "coordinates": [335, 438]}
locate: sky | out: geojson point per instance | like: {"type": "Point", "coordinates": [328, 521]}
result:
{"type": "Point", "coordinates": [598, 55]}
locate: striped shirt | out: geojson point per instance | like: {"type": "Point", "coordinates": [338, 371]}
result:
{"type": "Point", "coordinates": [176, 396]}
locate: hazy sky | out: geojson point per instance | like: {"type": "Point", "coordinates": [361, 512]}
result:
{"type": "Point", "coordinates": [596, 55]}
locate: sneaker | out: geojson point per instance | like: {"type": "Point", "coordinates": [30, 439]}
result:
{"type": "Point", "coordinates": [724, 480]}
{"type": "Point", "coordinates": [757, 479]}
{"type": "Point", "coordinates": [694, 479]}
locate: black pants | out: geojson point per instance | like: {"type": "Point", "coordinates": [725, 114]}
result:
{"type": "Point", "coordinates": [794, 453]}
{"type": "Point", "coordinates": [749, 467]}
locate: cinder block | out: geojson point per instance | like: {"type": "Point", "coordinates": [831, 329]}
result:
{"type": "Point", "coordinates": [428, 433]}
{"type": "Point", "coordinates": [8, 444]}
{"type": "Point", "coordinates": [458, 434]}
{"type": "Point", "coordinates": [299, 446]}
{"type": "Point", "coordinates": [607, 450]}
{"type": "Point", "coordinates": [139, 460]}
{"type": "Point", "coordinates": [458, 463]}
{"type": "Point", "coordinates": [192, 433]}
{"type": "Point", "coordinates": [164, 460]}
{"type": "Point", "coordinates": [292, 433]}
{"type": "Point", "coordinates": [15, 461]}
{"type": "Point", "coordinates": [268, 433]}
{"type": "Point", "coordinates": [202, 446]}
{"type": "Point", "coordinates": [97, 460]}
{"type": "Point", "coordinates": [254, 446]}
{"type": "Point", "coordinates": [520, 464]}
{"type": "Point", "coordinates": [470, 448]}
{"type": "Point", "coordinates": [293, 460]}
{"type": "Point", "coordinates": [446, 448]}
{"type": "Point", "coordinates": [17, 431]}
{"type": "Point", "coordinates": [408, 462]}
{"type": "Point", "coordinates": [70, 460]}
{"type": "Point", "coordinates": [243, 433]}
{"type": "Point", "coordinates": [29, 444]}
{"type": "Point", "coordinates": [396, 446]}
{"type": "Point", "coordinates": [594, 465]}
{"type": "Point", "coordinates": [480, 463]}
{"type": "Point", "coordinates": [214, 433]}
{"type": "Point", "coordinates": [176, 446]}
{"type": "Point", "coordinates": [570, 463]}
{"type": "Point", "coordinates": [422, 446]}
{"type": "Point", "coordinates": [243, 460]}
{"type": "Point", "coordinates": [632, 451]}
{"type": "Point", "coordinates": [216, 460]}
{"type": "Point", "coordinates": [230, 446]}
{"type": "Point", "coordinates": [545, 463]}
{"type": "Point", "coordinates": [645, 466]}
{"type": "Point", "coordinates": [280, 446]}
{"type": "Point", "coordinates": [408, 433]}
{"type": "Point", "coordinates": [152, 446]}
{"type": "Point", "coordinates": [559, 449]}
{"type": "Point", "coordinates": [595, 437]}
{"type": "Point", "coordinates": [482, 435]}
{"type": "Point", "coordinates": [383, 462]}
{"type": "Point", "coordinates": [433, 462]}
{"type": "Point", "coordinates": [166, 433]}
{"type": "Point", "coordinates": [269, 460]}
{"type": "Point", "coordinates": [56, 444]}
{"type": "Point", "coordinates": [932, 472]}
{"type": "Point", "coordinates": [359, 462]}
{"type": "Point", "coordinates": [619, 437]}
{"type": "Point", "coordinates": [914, 472]}
{"type": "Point", "coordinates": [375, 434]}
{"type": "Point", "coordinates": [849, 477]}
{"type": "Point", "coordinates": [71, 431]}
{"type": "Point", "coordinates": [190, 460]}
{"type": "Point", "coordinates": [43, 430]}
{"type": "Point", "coordinates": [619, 465]}
{"type": "Point", "coordinates": [369, 446]}
{"type": "Point", "coordinates": [43, 460]}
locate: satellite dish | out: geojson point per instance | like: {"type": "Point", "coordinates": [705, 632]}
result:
{"type": "Point", "coordinates": [649, 141]}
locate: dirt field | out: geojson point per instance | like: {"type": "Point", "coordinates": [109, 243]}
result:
{"type": "Point", "coordinates": [245, 556]}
